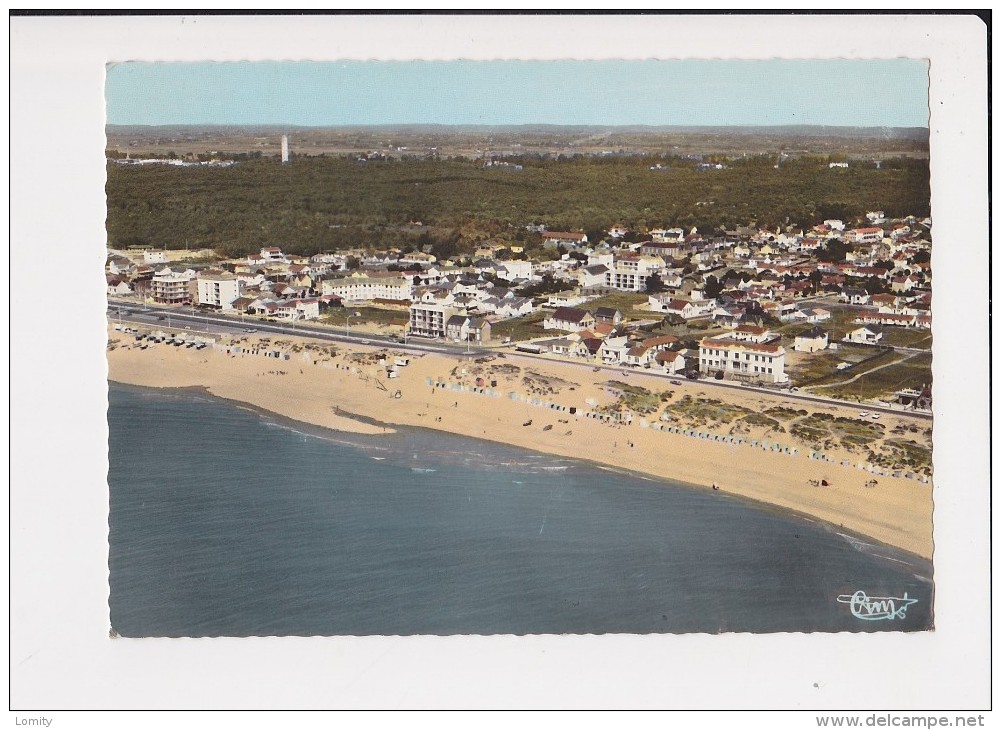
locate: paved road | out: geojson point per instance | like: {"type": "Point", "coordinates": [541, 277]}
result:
{"type": "Point", "coordinates": [792, 396]}
{"type": "Point", "coordinates": [180, 319]}
{"type": "Point", "coordinates": [174, 318]}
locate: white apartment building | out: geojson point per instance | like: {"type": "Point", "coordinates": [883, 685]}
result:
{"type": "Point", "coordinates": [743, 359]}
{"type": "Point", "coordinates": [172, 287]}
{"type": "Point", "coordinates": [218, 290]}
{"type": "Point", "coordinates": [429, 320]}
{"type": "Point", "coordinates": [630, 273]}
{"type": "Point", "coordinates": [363, 288]}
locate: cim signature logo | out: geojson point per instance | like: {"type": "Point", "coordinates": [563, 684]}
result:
{"type": "Point", "coordinates": [877, 608]}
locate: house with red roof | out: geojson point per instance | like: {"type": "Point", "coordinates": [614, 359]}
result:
{"type": "Point", "coordinates": [670, 361]}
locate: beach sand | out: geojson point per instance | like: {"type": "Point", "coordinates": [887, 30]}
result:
{"type": "Point", "coordinates": [322, 389]}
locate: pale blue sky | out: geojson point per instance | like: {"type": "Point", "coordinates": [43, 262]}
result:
{"type": "Point", "coordinates": [684, 92]}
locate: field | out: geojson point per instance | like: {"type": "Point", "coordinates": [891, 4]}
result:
{"type": "Point", "coordinates": [367, 317]}
{"type": "Point", "coordinates": [624, 302]}
{"type": "Point", "coordinates": [905, 372]}
{"type": "Point", "coordinates": [907, 337]}
{"type": "Point", "coordinates": [819, 367]}
{"type": "Point", "coordinates": [523, 328]}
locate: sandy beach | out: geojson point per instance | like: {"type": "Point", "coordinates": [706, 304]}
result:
{"type": "Point", "coordinates": [527, 402]}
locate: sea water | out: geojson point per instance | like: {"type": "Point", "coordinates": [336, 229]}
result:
{"type": "Point", "coordinates": [227, 522]}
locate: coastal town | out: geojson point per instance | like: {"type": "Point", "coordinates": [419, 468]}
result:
{"type": "Point", "coordinates": [844, 312]}
{"type": "Point", "coordinates": [592, 352]}
{"type": "Point", "coordinates": [790, 367]}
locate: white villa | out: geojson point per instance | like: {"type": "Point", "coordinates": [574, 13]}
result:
{"type": "Point", "coordinates": [740, 359]}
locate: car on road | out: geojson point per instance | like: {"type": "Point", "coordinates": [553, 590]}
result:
{"type": "Point", "coordinates": [364, 342]}
{"type": "Point", "coordinates": [863, 414]}
{"type": "Point", "coordinates": [675, 382]}
{"type": "Point", "coordinates": [250, 329]}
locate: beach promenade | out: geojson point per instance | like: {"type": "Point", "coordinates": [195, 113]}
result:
{"type": "Point", "coordinates": [557, 408]}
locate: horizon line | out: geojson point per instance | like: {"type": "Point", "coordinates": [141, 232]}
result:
{"type": "Point", "coordinates": [517, 125]}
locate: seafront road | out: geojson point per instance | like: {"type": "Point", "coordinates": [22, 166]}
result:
{"type": "Point", "coordinates": [212, 322]}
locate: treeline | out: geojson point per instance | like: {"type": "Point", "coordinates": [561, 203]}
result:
{"type": "Point", "coordinates": [327, 203]}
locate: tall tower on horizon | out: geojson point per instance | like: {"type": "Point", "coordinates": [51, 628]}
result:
{"type": "Point", "coordinates": [284, 149]}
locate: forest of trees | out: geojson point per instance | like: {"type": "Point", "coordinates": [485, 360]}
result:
{"type": "Point", "coordinates": [329, 203]}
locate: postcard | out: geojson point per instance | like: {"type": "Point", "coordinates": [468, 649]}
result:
{"type": "Point", "coordinates": [526, 352]}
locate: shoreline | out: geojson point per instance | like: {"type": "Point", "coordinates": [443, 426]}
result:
{"type": "Point", "coordinates": [345, 398]}
{"type": "Point", "coordinates": [321, 432]}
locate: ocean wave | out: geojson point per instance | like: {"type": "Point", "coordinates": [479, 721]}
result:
{"type": "Point", "coordinates": [870, 549]}
{"type": "Point", "coordinates": [328, 438]}
{"type": "Point", "coordinates": [887, 557]}
{"type": "Point", "coordinates": [283, 427]}
{"type": "Point", "coordinates": [859, 545]}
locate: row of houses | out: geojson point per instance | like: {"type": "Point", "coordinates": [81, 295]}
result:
{"type": "Point", "coordinates": [599, 345]}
